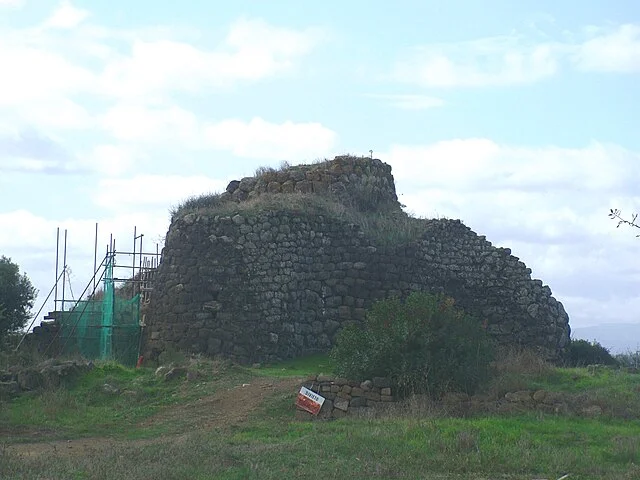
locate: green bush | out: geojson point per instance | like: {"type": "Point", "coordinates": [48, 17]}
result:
{"type": "Point", "coordinates": [582, 352]}
{"type": "Point", "coordinates": [423, 344]}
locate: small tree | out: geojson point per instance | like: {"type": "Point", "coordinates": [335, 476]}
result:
{"type": "Point", "coordinates": [582, 353]}
{"type": "Point", "coordinates": [424, 345]}
{"type": "Point", "coordinates": [17, 295]}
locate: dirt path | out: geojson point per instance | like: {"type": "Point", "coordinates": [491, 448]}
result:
{"type": "Point", "coordinates": [223, 409]}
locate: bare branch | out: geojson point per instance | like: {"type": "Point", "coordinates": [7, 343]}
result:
{"type": "Point", "coordinates": [615, 214]}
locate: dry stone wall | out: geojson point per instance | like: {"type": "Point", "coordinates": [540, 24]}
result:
{"type": "Point", "coordinates": [344, 397]}
{"type": "Point", "coordinates": [265, 285]}
{"type": "Point", "coordinates": [366, 184]}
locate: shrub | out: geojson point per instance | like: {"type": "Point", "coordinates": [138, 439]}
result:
{"type": "Point", "coordinates": [423, 344]}
{"type": "Point", "coordinates": [629, 359]}
{"type": "Point", "coordinates": [582, 352]}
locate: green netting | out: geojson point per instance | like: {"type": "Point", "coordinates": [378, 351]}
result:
{"type": "Point", "coordinates": [107, 328]}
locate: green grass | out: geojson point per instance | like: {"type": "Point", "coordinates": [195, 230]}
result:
{"type": "Point", "coordinates": [517, 447]}
{"type": "Point", "coordinates": [86, 409]}
{"type": "Point", "coordinates": [271, 444]}
{"type": "Point", "coordinates": [528, 445]}
{"type": "Point", "coordinates": [299, 367]}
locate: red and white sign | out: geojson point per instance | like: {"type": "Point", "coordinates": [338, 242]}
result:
{"type": "Point", "coordinates": [309, 401]}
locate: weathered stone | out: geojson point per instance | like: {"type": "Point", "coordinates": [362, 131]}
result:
{"type": "Point", "coordinates": [233, 185]}
{"type": "Point", "coordinates": [341, 404]}
{"type": "Point", "coordinates": [327, 408]}
{"type": "Point", "coordinates": [110, 389]}
{"type": "Point", "coordinates": [372, 396]}
{"type": "Point", "coordinates": [280, 283]}
{"type": "Point", "coordinates": [358, 402]}
{"type": "Point", "coordinates": [539, 395]}
{"type": "Point", "coordinates": [521, 396]}
{"type": "Point", "coordinates": [592, 411]}
{"type": "Point", "coordinates": [343, 395]}
{"type": "Point", "coordinates": [552, 398]}
{"type": "Point", "coordinates": [175, 372]}
{"type": "Point", "coordinates": [337, 413]}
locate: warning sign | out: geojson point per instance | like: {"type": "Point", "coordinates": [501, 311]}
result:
{"type": "Point", "coordinates": [309, 401]}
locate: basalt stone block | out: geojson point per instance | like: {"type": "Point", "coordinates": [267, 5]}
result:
{"type": "Point", "coordinates": [289, 278]}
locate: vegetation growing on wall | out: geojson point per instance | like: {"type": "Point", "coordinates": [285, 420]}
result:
{"type": "Point", "coordinates": [425, 344]}
{"type": "Point", "coordinates": [384, 227]}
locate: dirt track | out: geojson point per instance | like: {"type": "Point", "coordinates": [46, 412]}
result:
{"type": "Point", "coordinates": [223, 409]}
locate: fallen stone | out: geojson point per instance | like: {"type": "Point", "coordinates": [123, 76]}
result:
{"type": "Point", "coordinates": [175, 372]}
{"type": "Point", "coordinates": [521, 396]}
{"type": "Point", "coordinates": [110, 389]}
{"type": "Point", "coordinates": [592, 411]}
{"type": "Point", "coordinates": [539, 395]}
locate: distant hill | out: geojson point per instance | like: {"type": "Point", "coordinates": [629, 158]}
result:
{"type": "Point", "coordinates": [617, 337]}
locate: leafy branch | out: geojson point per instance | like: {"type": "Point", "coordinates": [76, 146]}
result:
{"type": "Point", "coordinates": [614, 214]}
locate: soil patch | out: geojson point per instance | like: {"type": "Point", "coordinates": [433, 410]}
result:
{"type": "Point", "coordinates": [221, 410]}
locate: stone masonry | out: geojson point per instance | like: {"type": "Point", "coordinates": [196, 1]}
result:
{"type": "Point", "coordinates": [261, 284]}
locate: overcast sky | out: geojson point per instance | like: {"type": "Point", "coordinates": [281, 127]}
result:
{"type": "Point", "coordinates": [520, 118]}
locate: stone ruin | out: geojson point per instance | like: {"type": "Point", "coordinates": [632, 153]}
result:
{"type": "Point", "coordinates": [273, 268]}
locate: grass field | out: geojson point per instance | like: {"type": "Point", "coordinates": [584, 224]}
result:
{"type": "Point", "coordinates": [231, 422]}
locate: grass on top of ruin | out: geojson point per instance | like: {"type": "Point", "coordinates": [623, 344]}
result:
{"type": "Point", "coordinates": [385, 227]}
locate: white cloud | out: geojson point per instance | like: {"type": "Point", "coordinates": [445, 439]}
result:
{"type": "Point", "coordinates": [11, 3]}
{"type": "Point", "coordinates": [409, 101]}
{"type": "Point", "coordinates": [28, 150]}
{"type": "Point", "coordinates": [614, 51]}
{"type": "Point", "coordinates": [112, 160]}
{"type": "Point", "coordinates": [549, 205]}
{"type": "Point", "coordinates": [46, 72]}
{"type": "Point", "coordinates": [151, 123]}
{"type": "Point", "coordinates": [31, 75]}
{"type": "Point", "coordinates": [66, 16]}
{"type": "Point", "coordinates": [30, 240]}
{"type": "Point", "coordinates": [261, 139]}
{"type": "Point", "coordinates": [510, 60]}
{"type": "Point", "coordinates": [143, 191]}
{"type": "Point", "coordinates": [481, 164]}
{"type": "Point", "coordinates": [57, 113]}
{"type": "Point", "coordinates": [252, 50]}
{"type": "Point", "coordinates": [496, 61]}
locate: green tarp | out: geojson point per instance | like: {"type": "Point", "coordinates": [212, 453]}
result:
{"type": "Point", "coordinates": [106, 328]}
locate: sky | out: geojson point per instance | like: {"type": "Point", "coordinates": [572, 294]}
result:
{"type": "Point", "coordinates": [519, 118]}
